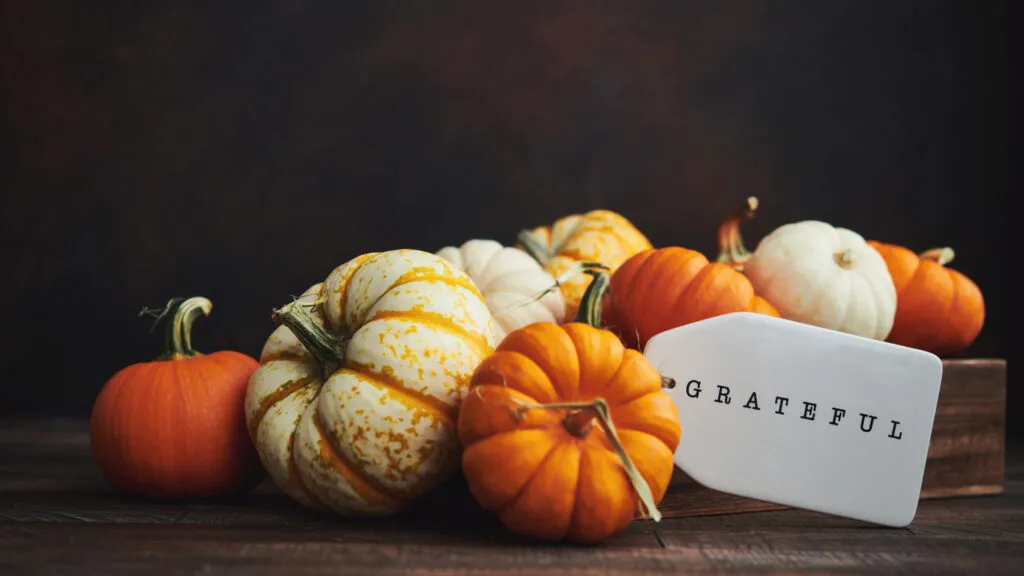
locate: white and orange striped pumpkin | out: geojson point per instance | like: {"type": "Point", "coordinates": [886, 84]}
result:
{"type": "Point", "coordinates": [512, 282]}
{"type": "Point", "coordinates": [354, 406]}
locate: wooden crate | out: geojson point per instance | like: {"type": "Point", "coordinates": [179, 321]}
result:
{"type": "Point", "coordinates": [965, 458]}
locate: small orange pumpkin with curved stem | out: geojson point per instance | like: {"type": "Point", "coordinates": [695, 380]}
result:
{"type": "Point", "coordinates": [938, 309]}
{"type": "Point", "coordinates": [532, 452]}
{"type": "Point", "coordinates": [174, 427]}
{"type": "Point", "coordinates": [663, 288]}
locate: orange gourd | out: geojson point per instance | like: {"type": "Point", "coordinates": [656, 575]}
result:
{"type": "Point", "coordinates": [660, 289]}
{"type": "Point", "coordinates": [174, 427]}
{"type": "Point", "coordinates": [566, 432]}
{"type": "Point", "coordinates": [578, 241]}
{"type": "Point", "coordinates": [938, 309]}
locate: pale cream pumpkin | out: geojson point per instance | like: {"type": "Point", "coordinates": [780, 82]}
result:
{"type": "Point", "coordinates": [518, 291]}
{"type": "Point", "coordinates": [827, 276]}
{"type": "Point", "coordinates": [355, 403]}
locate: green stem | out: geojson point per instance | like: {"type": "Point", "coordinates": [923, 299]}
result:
{"type": "Point", "coordinates": [731, 250]}
{"type": "Point", "coordinates": [534, 247]}
{"type": "Point", "coordinates": [576, 423]}
{"type": "Point", "coordinates": [542, 253]}
{"type": "Point", "coordinates": [187, 314]}
{"type": "Point", "coordinates": [572, 272]}
{"type": "Point", "coordinates": [590, 305]}
{"type": "Point", "coordinates": [324, 346]}
{"type": "Point", "coordinates": [178, 334]}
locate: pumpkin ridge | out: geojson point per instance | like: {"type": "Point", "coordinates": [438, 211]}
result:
{"type": "Point", "coordinates": [554, 448]}
{"type": "Point", "coordinates": [574, 516]}
{"type": "Point", "coordinates": [685, 290]}
{"type": "Point", "coordinates": [930, 339]}
{"type": "Point", "coordinates": [268, 401]}
{"type": "Point", "coordinates": [417, 274]}
{"type": "Point", "coordinates": [419, 399]}
{"type": "Point", "coordinates": [362, 484]}
{"type": "Point", "coordinates": [846, 301]}
{"type": "Point", "coordinates": [625, 406]}
{"type": "Point", "coordinates": [355, 265]}
{"type": "Point", "coordinates": [441, 322]}
{"type": "Point", "coordinates": [624, 365]}
{"type": "Point", "coordinates": [521, 357]}
{"type": "Point", "coordinates": [295, 478]}
{"type": "Point", "coordinates": [572, 254]}
{"type": "Point", "coordinates": [624, 297]}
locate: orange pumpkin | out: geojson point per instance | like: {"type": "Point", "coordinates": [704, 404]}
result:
{"type": "Point", "coordinates": [664, 288]}
{"type": "Point", "coordinates": [597, 237]}
{"type": "Point", "coordinates": [938, 309]}
{"type": "Point", "coordinates": [174, 427]}
{"type": "Point", "coordinates": [533, 453]}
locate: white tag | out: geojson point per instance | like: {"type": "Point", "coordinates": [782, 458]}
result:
{"type": "Point", "coordinates": [842, 423]}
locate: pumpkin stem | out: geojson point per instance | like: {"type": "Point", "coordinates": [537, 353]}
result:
{"type": "Point", "coordinates": [323, 345]}
{"type": "Point", "coordinates": [844, 259]}
{"type": "Point", "coordinates": [564, 277]}
{"type": "Point", "coordinates": [590, 305]}
{"type": "Point", "coordinates": [185, 316]}
{"type": "Point", "coordinates": [941, 255]}
{"type": "Point", "coordinates": [731, 250]}
{"type": "Point", "coordinates": [578, 422]}
{"type": "Point", "coordinates": [178, 334]}
{"type": "Point", "coordinates": [598, 408]}
{"type": "Point", "coordinates": [534, 247]}
{"type": "Point", "coordinates": [541, 253]}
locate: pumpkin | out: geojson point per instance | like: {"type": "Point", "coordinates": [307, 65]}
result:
{"type": "Point", "coordinates": [354, 406]}
{"type": "Point", "coordinates": [816, 273]}
{"type": "Point", "coordinates": [596, 237]}
{"type": "Point", "coordinates": [660, 289]}
{"type": "Point", "coordinates": [516, 289]}
{"type": "Point", "coordinates": [172, 428]}
{"type": "Point", "coordinates": [938, 309]}
{"type": "Point", "coordinates": [567, 433]}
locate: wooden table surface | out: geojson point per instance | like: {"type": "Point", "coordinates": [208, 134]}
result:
{"type": "Point", "coordinates": [58, 516]}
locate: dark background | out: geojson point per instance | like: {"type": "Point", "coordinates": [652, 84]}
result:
{"type": "Point", "coordinates": [242, 150]}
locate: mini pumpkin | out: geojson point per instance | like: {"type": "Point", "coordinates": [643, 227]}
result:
{"type": "Point", "coordinates": [819, 274]}
{"type": "Point", "coordinates": [171, 428]}
{"type": "Point", "coordinates": [660, 289]}
{"type": "Point", "coordinates": [938, 309]}
{"type": "Point", "coordinates": [354, 406]}
{"type": "Point", "coordinates": [515, 287]}
{"type": "Point", "coordinates": [596, 237]}
{"type": "Point", "coordinates": [533, 453]}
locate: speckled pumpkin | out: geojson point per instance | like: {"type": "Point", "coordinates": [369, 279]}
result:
{"type": "Point", "coordinates": [355, 403]}
{"type": "Point", "coordinates": [599, 236]}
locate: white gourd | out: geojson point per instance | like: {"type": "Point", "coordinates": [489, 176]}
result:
{"type": "Point", "coordinates": [358, 415]}
{"type": "Point", "coordinates": [510, 280]}
{"type": "Point", "coordinates": [827, 276]}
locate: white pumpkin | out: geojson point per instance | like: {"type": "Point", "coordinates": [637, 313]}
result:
{"type": "Point", "coordinates": [354, 406]}
{"type": "Point", "coordinates": [510, 280]}
{"type": "Point", "coordinates": [827, 276]}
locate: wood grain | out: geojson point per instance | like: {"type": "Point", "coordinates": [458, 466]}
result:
{"type": "Point", "coordinates": [58, 516]}
{"type": "Point", "coordinates": [965, 458]}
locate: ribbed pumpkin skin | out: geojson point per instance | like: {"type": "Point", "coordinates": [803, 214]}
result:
{"type": "Point", "coordinates": [603, 236]}
{"type": "Point", "coordinates": [657, 290]}
{"type": "Point", "coordinates": [379, 432]}
{"type": "Point", "coordinates": [172, 429]}
{"type": "Point", "coordinates": [507, 277]}
{"type": "Point", "coordinates": [938, 309]}
{"type": "Point", "coordinates": [543, 481]}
